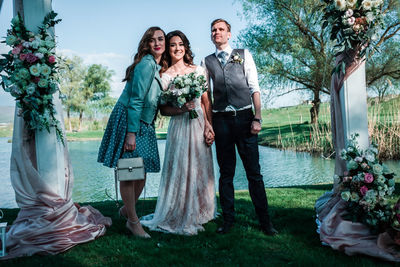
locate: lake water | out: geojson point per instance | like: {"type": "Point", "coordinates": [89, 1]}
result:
{"type": "Point", "coordinates": [279, 168]}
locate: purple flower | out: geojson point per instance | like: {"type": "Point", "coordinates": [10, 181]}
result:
{"type": "Point", "coordinates": [363, 190]}
{"type": "Point", "coordinates": [368, 178]}
{"type": "Point", "coordinates": [31, 58]}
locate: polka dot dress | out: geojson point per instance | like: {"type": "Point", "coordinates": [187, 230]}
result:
{"type": "Point", "coordinates": [113, 141]}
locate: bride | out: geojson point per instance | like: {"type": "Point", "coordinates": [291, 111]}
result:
{"type": "Point", "coordinates": [187, 194]}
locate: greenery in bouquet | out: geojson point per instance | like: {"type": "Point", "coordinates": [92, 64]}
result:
{"type": "Point", "coordinates": [366, 186]}
{"type": "Point", "coordinates": [28, 73]}
{"type": "Point", "coordinates": [354, 26]}
{"type": "Point", "coordinates": [185, 88]}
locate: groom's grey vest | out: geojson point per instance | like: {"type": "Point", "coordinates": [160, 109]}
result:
{"type": "Point", "coordinates": [229, 81]}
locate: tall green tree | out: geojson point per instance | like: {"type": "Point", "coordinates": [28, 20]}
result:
{"type": "Point", "coordinates": [71, 75]}
{"type": "Point", "coordinates": [96, 87]}
{"type": "Point", "coordinates": [292, 51]}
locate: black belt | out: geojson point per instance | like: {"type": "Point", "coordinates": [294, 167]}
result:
{"type": "Point", "coordinates": [233, 113]}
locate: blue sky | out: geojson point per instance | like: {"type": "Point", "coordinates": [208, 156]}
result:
{"type": "Point", "coordinates": [108, 32]}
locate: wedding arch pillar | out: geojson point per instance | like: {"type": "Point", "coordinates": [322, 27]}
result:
{"type": "Point", "coordinates": [354, 108]}
{"type": "Point", "coordinates": [49, 151]}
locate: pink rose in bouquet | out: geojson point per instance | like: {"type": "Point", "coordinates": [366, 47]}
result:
{"type": "Point", "coordinates": [363, 190]}
{"type": "Point", "coordinates": [368, 178]}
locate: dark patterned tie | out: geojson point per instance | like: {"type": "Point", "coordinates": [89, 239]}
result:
{"type": "Point", "coordinates": [222, 56]}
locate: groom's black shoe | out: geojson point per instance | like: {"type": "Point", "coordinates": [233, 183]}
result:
{"type": "Point", "coordinates": [226, 228]}
{"type": "Point", "coordinates": [269, 229]}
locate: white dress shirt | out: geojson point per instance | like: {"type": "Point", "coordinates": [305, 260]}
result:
{"type": "Point", "coordinates": [250, 72]}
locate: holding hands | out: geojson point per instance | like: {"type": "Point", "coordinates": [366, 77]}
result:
{"type": "Point", "coordinates": [209, 134]}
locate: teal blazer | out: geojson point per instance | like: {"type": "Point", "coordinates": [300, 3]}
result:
{"type": "Point", "coordinates": [141, 93]}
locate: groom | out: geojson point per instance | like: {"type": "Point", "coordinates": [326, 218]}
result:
{"type": "Point", "coordinates": [235, 88]}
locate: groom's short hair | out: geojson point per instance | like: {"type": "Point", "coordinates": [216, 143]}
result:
{"type": "Point", "coordinates": [221, 20]}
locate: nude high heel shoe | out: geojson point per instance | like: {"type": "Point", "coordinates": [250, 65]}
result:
{"type": "Point", "coordinates": [134, 231]}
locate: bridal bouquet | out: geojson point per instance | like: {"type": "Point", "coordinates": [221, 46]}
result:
{"type": "Point", "coordinates": [29, 73]}
{"type": "Point", "coordinates": [183, 89]}
{"type": "Point", "coordinates": [354, 24]}
{"type": "Point", "coordinates": [366, 186]}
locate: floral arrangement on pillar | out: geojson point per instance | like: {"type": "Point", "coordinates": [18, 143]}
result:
{"type": "Point", "coordinates": [30, 73]}
{"type": "Point", "coordinates": [354, 26]}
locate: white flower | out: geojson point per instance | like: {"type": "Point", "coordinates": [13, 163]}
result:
{"type": "Point", "coordinates": [349, 13]}
{"type": "Point", "coordinates": [35, 70]}
{"type": "Point", "coordinates": [377, 3]}
{"type": "Point", "coordinates": [45, 70]}
{"type": "Point", "coordinates": [369, 156]}
{"type": "Point", "coordinates": [181, 101]}
{"type": "Point", "coordinates": [340, 4]}
{"type": "Point", "coordinates": [358, 159]}
{"type": "Point", "coordinates": [35, 44]}
{"type": "Point", "coordinates": [39, 55]}
{"type": "Point", "coordinates": [185, 90]}
{"type": "Point", "coordinates": [351, 20]}
{"type": "Point", "coordinates": [370, 17]}
{"type": "Point", "coordinates": [367, 4]}
{"type": "Point", "coordinates": [43, 83]}
{"type": "Point", "coordinates": [26, 44]}
{"type": "Point", "coordinates": [11, 39]}
{"type": "Point", "coordinates": [31, 89]}
{"type": "Point", "coordinates": [345, 195]}
{"type": "Point", "coordinates": [351, 3]}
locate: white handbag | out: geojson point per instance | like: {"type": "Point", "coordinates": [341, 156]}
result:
{"type": "Point", "coordinates": [128, 169]}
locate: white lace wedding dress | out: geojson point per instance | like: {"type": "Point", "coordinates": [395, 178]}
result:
{"type": "Point", "coordinates": [187, 193]}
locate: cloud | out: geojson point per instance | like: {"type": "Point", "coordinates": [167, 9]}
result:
{"type": "Point", "coordinates": [113, 61]}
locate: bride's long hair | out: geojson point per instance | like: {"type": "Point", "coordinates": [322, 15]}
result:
{"type": "Point", "coordinates": [188, 57]}
{"type": "Point", "coordinates": [144, 49]}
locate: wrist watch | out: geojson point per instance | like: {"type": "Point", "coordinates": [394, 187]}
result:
{"type": "Point", "coordinates": [257, 120]}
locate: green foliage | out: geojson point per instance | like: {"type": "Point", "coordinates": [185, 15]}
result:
{"type": "Point", "coordinates": [292, 212]}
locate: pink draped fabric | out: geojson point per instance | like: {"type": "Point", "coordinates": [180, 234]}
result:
{"type": "Point", "coordinates": [351, 237]}
{"type": "Point", "coordinates": [47, 223]}
{"type": "Point", "coordinates": [343, 235]}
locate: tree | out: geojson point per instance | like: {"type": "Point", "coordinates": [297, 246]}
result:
{"type": "Point", "coordinates": [71, 74]}
{"type": "Point", "coordinates": [291, 49]}
{"type": "Point", "coordinates": [96, 87]}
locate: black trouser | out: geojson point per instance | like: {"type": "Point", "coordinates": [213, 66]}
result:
{"type": "Point", "coordinates": [231, 130]}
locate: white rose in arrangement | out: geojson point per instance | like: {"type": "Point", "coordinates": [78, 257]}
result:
{"type": "Point", "coordinates": [24, 73]}
{"type": "Point", "coordinates": [367, 4]}
{"type": "Point", "coordinates": [39, 55]}
{"type": "Point", "coordinates": [43, 83]}
{"type": "Point", "coordinates": [176, 92]}
{"type": "Point", "coordinates": [340, 4]}
{"type": "Point", "coordinates": [181, 101]}
{"type": "Point", "coordinates": [349, 13]}
{"type": "Point", "coordinates": [369, 156]}
{"type": "Point", "coordinates": [45, 70]}
{"type": "Point", "coordinates": [377, 3]}
{"type": "Point", "coordinates": [26, 44]}
{"type": "Point", "coordinates": [35, 70]}
{"type": "Point", "coordinates": [351, 3]}
{"type": "Point", "coordinates": [188, 81]}
{"type": "Point", "coordinates": [35, 44]}
{"type": "Point", "coordinates": [351, 20]}
{"type": "Point", "coordinates": [369, 17]}
{"type": "Point", "coordinates": [345, 195]}
{"type": "Point", "coordinates": [354, 197]}
{"type": "Point", "coordinates": [11, 39]}
{"type": "Point", "coordinates": [185, 90]}
{"type": "Point", "coordinates": [31, 89]}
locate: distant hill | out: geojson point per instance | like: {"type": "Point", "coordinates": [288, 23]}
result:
{"type": "Point", "coordinates": [6, 114]}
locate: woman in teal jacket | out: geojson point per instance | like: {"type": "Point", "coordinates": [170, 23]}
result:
{"type": "Point", "coordinates": [130, 130]}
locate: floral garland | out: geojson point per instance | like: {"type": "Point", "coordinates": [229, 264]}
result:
{"type": "Point", "coordinates": [30, 73]}
{"type": "Point", "coordinates": [367, 186]}
{"type": "Point", "coordinates": [354, 25]}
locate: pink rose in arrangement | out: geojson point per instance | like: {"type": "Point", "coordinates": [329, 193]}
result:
{"type": "Point", "coordinates": [347, 179]}
{"type": "Point", "coordinates": [52, 59]}
{"type": "Point", "coordinates": [31, 58]}
{"type": "Point", "coordinates": [368, 178]}
{"type": "Point", "coordinates": [16, 50]}
{"type": "Point", "coordinates": [363, 190]}
{"type": "Point", "coordinates": [22, 57]}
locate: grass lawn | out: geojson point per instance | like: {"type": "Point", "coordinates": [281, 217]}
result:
{"type": "Point", "coordinates": [297, 244]}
